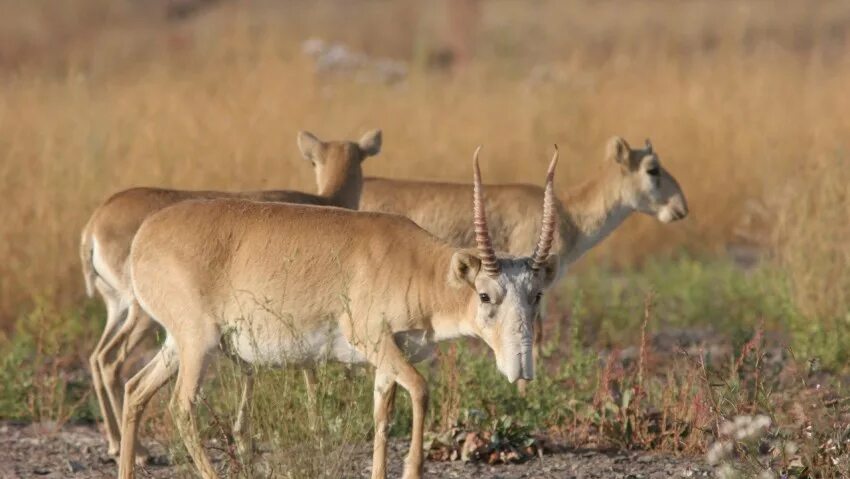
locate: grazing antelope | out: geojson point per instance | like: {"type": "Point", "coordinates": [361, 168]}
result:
{"type": "Point", "coordinates": [631, 180]}
{"type": "Point", "coordinates": [106, 240]}
{"type": "Point", "coordinates": [281, 285]}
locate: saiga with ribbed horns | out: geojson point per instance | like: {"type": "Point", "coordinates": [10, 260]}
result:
{"type": "Point", "coordinates": [287, 285]}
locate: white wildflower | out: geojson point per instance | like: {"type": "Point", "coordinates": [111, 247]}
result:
{"type": "Point", "coordinates": [761, 422]}
{"type": "Point", "coordinates": [727, 429]}
{"type": "Point", "coordinates": [726, 471]}
{"type": "Point", "coordinates": [791, 448]}
{"type": "Point", "coordinates": [718, 452]}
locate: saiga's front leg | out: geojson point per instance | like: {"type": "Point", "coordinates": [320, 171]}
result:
{"type": "Point", "coordinates": [384, 393]}
{"type": "Point", "coordinates": [391, 364]}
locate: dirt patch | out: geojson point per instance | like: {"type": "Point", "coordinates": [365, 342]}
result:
{"type": "Point", "coordinates": [78, 451]}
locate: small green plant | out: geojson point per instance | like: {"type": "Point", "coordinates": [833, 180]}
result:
{"type": "Point", "coordinates": [604, 380]}
{"type": "Point", "coordinates": [44, 374]}
{"type": "Point", "coordinates": [475, 438]}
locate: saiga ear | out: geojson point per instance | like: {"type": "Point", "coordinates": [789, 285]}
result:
{"type": "Point", "coordinates": [618, 150]}
{"type": "Point", "coordinates": [464, 268]}
{"type": "Point", "coordinates": [370, 143]}
{"type": "Point", "coordinates": [309, 145]}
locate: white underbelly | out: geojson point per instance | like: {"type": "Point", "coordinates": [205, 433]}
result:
{"type": "Point", "coordinates": [280, 349]}
{"type": "Point", "coordinates": [266, 343]}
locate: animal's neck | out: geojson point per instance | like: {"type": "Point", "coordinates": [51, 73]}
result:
{"type": "Point", "coordinates": [446, 307]}
{"type": "Point", "coordinates": [343, 191]}
{"type": "Point", "coordinates": [591, 212]}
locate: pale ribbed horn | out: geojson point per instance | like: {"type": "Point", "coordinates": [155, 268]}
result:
{"type": "Point", "coordinates": [482, 234]}
{"type": "Point", "coordinates": [547, 229]}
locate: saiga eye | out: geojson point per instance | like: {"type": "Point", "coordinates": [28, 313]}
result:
{"type": "Point", "coordinates": [485, 298]}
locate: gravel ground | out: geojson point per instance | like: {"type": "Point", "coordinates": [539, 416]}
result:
{"type": "Point", "coordinates": [78, 451]}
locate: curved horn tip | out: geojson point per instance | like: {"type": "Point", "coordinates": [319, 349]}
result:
{"type": "Point", "coordinates": [648, 144]}
{"type": "Point", "coordinates": [554, 161]}
{"type": "Point", "coordinates": [476, 170]}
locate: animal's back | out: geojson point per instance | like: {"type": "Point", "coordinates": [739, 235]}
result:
{"type": "Point", "coordinates": [110, 231]}
{"type": "Point", "coordinates": [250, 267]}
{"type": "Point", "coordinates": [513, 211]}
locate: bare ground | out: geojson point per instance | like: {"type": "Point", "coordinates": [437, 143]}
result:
{"type": "Point", "coordinates": [78, 451]}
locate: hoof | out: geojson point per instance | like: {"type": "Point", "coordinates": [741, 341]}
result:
{"type": "Point", "coordinates": [113, 450]}
{"type": "Point", "coordinates": [142, 456]}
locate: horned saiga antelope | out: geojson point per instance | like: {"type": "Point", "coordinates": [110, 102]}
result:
{"type": "Point", "coordinates": [281, 285]}
{"type": "Point", "coordinates": [106, 240]}
{"type": "Point", "coordinates": [630, 180]}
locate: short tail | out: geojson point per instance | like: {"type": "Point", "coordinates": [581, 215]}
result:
{"type": "Point", "coordinates": [86, 259]}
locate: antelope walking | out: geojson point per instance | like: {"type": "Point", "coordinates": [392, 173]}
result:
{"type": "Point", "coordinates": [278, 284]}
{"type": "Point", "coordinates": [631, 180]}
{"type": "Point", "coordinates": [106, 240]}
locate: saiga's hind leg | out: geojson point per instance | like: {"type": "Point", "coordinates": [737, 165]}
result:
{"type": "Point", "coordinates": [136, 327]}
{"type": "Point", "coordinates": [193, 363]}
{"type": "Point", "coordinates": [139, 390]}
{"type": "Point", "coordinates": [111, 418]}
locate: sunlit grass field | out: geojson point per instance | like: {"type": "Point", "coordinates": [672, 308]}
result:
{"type": "Point", "coordinates": [745, 102]}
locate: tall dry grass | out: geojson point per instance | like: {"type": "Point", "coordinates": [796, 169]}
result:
{"type": "Point", "coordinates": [812, 233]}
{"type": "Point", "coordinates": [739, 98]}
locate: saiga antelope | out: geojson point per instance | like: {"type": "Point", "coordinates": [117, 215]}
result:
{"type": "Point", "coordinates": [630, 180]}
{"type": "Point", "coordinates": [106, 239]}
{"type": "Point", "coordinates": [278, 284]}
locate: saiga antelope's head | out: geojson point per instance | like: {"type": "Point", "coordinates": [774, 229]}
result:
{"type": "Point", "coordinates": [338, 162]}
{"type": "Point", "coordinates": [646, 186]}
{"type": "Point", "coordinates": [505, 291]}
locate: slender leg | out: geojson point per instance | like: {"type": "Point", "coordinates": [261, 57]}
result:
{"type": "Point", "coordinates": [384, 394]}
{"type": "Point", "coordinates": [136, 327]}
{"type": "Point", "coordinates": [411, 380]}
{"type": "Point", "coordinates": [193, 362]}
{"type": "Point", "coordinates": [140, 389]}
{"type": "Point", "coordinates": [390, 363]}
{"type": "Point", "coordinates": [311, 382]}
{"type": "Point", "coordinates": [242, 427]}
{"type": "Point", "coordinates": [111, 417]}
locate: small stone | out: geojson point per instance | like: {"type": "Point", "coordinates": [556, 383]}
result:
{"type": "Point", "coordinates": [74, 466]}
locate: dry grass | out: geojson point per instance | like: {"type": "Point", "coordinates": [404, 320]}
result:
{"type": "Point", "coordinates": [98, 96]}
{"type": "Point", "coordinates": [812, 235]}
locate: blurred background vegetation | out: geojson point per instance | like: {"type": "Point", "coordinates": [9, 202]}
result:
{"type": "Point", "coordinates": [745, 101]}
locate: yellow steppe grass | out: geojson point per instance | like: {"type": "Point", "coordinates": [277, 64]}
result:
{"type": "Point", "coordinates": [216, 101]}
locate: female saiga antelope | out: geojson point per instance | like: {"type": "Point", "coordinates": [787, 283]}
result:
{"type": "Point", "coordinates": [106, 240]}
{"type": "Point", "coordinates": [631, 180]}
{"type": "Point", "coordinates": [277, 284]}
